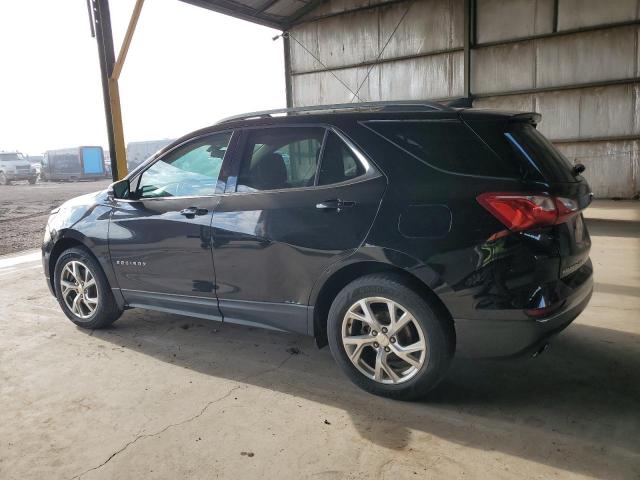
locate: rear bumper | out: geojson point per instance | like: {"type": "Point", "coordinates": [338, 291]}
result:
{"type": "Point", "coordinates": [481, 338]}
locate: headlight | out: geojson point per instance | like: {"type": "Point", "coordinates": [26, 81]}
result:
{"type": "Point", "coordinates": [47, 234]}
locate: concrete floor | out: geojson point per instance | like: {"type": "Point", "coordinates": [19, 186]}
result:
{"type": "Point", "coordinates": [160, 396]}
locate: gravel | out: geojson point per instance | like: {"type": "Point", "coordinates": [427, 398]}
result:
{"type": "Point", "coordinates": [24, 210]}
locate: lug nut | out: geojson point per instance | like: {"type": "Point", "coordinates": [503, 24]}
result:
{"type": "Point", "coordinates": [374, 333]}
{"type": "Point", "coordinates": [392, 339]}
{"type": "Point", "coordinates": [384, 330]}
{"type": "Point", "coordinates": [375, 345]}
{"type": "Point", "coordinates": [387, 349]}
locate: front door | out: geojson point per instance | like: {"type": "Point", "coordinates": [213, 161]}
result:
{"type": "Point", "coordinates": [301, 199]}
{"type": "Point", "coordinates": [160, 237]}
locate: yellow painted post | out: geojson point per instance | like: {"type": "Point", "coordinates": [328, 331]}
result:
{"type": "Point", "coordinates": [118, 129]}
{"type": "Point", "coordinates": [114, 93]}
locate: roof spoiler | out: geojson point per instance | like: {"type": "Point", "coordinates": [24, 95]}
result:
{"type": "Point", "coordinates": [489, 114]}
{"type": "Point", "coordinates": [530, 117]}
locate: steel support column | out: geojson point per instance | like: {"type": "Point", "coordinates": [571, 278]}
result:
{"type": "Point", "coordinates": [110, 69]}
{"type": "Point", "coordinates": [288, 80]}
{"type": "Point", "coordinates": [469, 41]}
{"type": "Point", "coordinates": [104, 38]}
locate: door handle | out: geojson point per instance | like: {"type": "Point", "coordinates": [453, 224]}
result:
{"type": "Point", "coordinates": [191, 212]}
{"type": "Point", "coordinates": [335, 205]}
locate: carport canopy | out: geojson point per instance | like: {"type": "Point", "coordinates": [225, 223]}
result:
{"type": "Point", "coordinates": [279, 14]}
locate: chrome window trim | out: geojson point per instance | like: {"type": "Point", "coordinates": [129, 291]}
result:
{"type": "Point", "coordinates": [369, 171]}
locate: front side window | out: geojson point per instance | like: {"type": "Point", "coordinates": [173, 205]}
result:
{"type": "Point", "coordinates": [190, 170]}
{"type": "Point", "coordinates": [280, 158]}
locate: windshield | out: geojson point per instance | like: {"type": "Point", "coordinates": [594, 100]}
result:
{"type": "Point", "coordinates": [11, 157]}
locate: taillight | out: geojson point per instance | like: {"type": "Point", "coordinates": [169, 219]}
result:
{"type": "Point", "coordinates": [523, 212]}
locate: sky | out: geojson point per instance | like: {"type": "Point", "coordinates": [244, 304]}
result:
{"type": "Point", "coordinates": [187, 68]}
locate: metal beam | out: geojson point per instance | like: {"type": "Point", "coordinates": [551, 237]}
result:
{"type": "Point", "coordinates": [110, 69]}
{"type": "Point", "coordinates": [104, 38]}
{"type": "Point", "coordinates": [558, 88]}
{"type": "Point", "coordinates": [560, 33]}
{"type": "Point", "coordinates": [124, 49]}
{"type": "Point", "coordinates": [286, 45]}
{"type": "Point", "coordinates": [468, 45]}
{"type": "Point", "coordinates": [380, 61]}
{"type": "Point", "coordinates": [612, 138]}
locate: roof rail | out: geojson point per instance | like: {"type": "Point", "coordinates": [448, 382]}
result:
{"type": "Point", "coordinates": [355, 107]}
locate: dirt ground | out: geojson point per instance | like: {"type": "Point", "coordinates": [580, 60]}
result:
{"type": "Point", "coordinates": [168, 397]}
{"type": "Point", "coordinates": [24, 210]}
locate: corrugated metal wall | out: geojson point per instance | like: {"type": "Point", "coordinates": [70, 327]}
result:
{"type": "Point", "coordinates": [575, 61]}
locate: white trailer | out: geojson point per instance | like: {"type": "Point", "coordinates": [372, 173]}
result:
{"type": "Point", "coordinates": [138, 152]}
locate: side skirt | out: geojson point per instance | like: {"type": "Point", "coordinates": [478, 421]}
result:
{"type": "Point", "coordinates": [273, 316]}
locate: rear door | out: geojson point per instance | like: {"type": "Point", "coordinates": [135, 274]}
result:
{"type": "Point", "coordinates": [160, 237]}
{"type": "Point", "coordinates": [297, 200]}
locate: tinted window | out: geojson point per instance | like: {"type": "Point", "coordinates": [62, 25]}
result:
{"type": "Point", "coordinates": [446, 145]}
{"type": "Point", "coordinates": [276, 158]}
{"type": "Point", "coordinates": [338, 164]}
{"type": "Point", "coordinates": [190, 170]}
{"type": "Point", "coordinates": [534, 147]}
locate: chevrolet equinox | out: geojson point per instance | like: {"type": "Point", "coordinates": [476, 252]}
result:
{"type": "Point", "coordinates": [399, 234]}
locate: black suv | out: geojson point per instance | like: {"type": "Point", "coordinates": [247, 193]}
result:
{"type": "Point", "coordinates": [397, 233]}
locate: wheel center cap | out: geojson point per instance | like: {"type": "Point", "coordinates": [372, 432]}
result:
{"type": "Point", "coordinates": [382, 339]}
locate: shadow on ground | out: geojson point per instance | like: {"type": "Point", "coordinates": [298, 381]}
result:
{"type": "Point", "coordinates": [582, 395]}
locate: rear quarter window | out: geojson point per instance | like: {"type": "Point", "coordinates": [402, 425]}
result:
{"type": "Point", "coordinates": [447, 145]}
{"type": "Point", "coordinates": [520, 141]}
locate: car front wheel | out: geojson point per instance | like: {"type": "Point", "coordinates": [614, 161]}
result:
{"type": "Point", "coordinates": [388, 339]}
{"type": "Point", "coordinates": [83, 291]}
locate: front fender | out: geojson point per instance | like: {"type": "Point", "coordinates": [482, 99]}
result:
{"type": "Point", "coordinates": [79, 223]}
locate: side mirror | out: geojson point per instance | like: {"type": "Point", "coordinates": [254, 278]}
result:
{"type": "Point", "coordinates": [119, 189]}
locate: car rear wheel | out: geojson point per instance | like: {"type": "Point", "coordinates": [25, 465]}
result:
{"type": "Point", "coordinates": [83, 291]}
{"type": "Point", "coordinates": [388, 339]}
{"type": "Point", "coordinates": [3, 179]}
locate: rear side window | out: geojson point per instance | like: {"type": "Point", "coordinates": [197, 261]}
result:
{"type": "Point", "coordinates": [447, 145]}
{"type": "Point", "coordinates": [528, 142]}
{"type": "Point", "coordinates": [278, 158]}
{"type": "Point", "coordinates": [521, 142]}
{"type": "Point", "coordinates": [339, 163]}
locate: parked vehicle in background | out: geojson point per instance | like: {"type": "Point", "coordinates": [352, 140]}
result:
{"type": "Point", "coordinates": [138, 152]}
{"type": "Point", "coordinates": [14, 166]}
{"type": "Point", "coordinates": [395, 233]}
{"type": "Point", "coordinates": [72, 164]}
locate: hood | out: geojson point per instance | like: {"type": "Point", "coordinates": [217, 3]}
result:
{"type": "Point", "coordinates": [85, 200]}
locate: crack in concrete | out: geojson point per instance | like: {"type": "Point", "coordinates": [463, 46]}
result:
{"type": "Point", "coordinates": [183, 422]}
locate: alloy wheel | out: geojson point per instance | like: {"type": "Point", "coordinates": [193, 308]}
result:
{"type": "Point", "coordinates": [79, 289]}
{"type": "Point", "coordinates": [383, 340]}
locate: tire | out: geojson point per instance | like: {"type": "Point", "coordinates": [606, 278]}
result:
{"type": "Point", "coordinates": [414, 376]}
{"type": "Point", "coordinates": [4, 180]}
{"type": "Point", "coordinates": [97, 295]}
{"type": "Point", "coordinates": [32, 181]}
